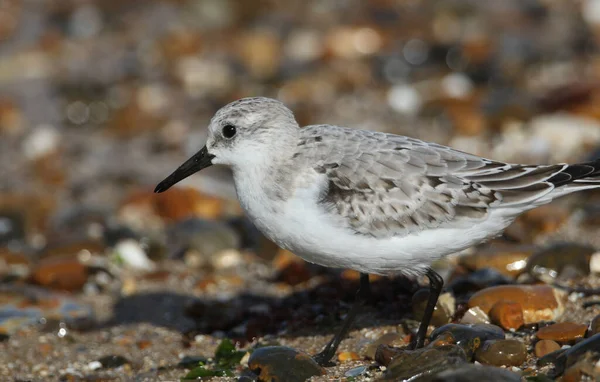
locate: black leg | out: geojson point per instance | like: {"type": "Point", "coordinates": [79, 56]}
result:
{"type": "Point", "coordinates": [363, 294]}
{"type": "Point", "coordinates": [435, 288]}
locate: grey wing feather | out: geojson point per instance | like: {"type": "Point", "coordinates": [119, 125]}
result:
{"type": "Point", "coordinates": [386, 185]}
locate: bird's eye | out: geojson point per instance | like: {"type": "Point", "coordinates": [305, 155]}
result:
{"type": "Point", "coordinates": [229, 131]}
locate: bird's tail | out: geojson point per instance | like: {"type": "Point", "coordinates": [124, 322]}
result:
{"type": "Point", "coordinates": [575, 177]}
{"type": "Point", "coordinates": [525, 187]}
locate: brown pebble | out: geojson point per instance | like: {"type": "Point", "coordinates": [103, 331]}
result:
{"type": "Point", "coordinates": [279, 363]}
{"type": "Point", "coordinates": [349, 274]}
{"type": "Point", "coordinates": [124, 340]}
{"type": "Point", "coordinates": [143, 344]}
{"type": "Point", "coordinates": [563, 260]}
{"type": "Point", "coordinates": [11, 117]}
{"type": "Point", "coordinates": [566, 96]}
{"type": "Point", "coordinates": [180, 43]}
{"type": "Point", "coordinates": [205, 284]}
{"type": "Point", "coordinates": [283, 258]}
{"type": "Point", "coordinates": [466, 116]}
{"type": "Point", "coordinates": [346, 356]}
{"type": "Point", "coordinates": [385, 354]}
{"type": "Point", "coordinates": [507, 314]}
{"type": "Point", "coordinates": [502, 353]}
{"type": "Point", "coordinates": [477, 50]}
{"type": "Point", "coordinates": [73, 249]}
{"type": "Point", "coordinates": [510, 260]}
{"type": "Point", "coordinates": [35, 210]}
{"type": "Point", "coordinates": [581, 369]}
{"type": "Point", "coordinates": [211, 282]}
{"type": "Point", "coordinates": [563, 332]}
{"type": "Point", "coordinates": [49, 169]}
{"type": "Point", "coordinates": [49, 303]}
{"type": "Point", "coordinates": [177, 204]}
{"type": "Point", "coordinates": [44, 349]}
{"type": "Point", "coordinates": [539, 302]}
{"type": "Point", "coordinates": [544, 219]}
{"type": "Point", "coordinates": [60, 273]}
{"type": "Point", "coordinates": [159, 275]}
{"type": "Point", "coordinates": [391, 338]}
{"type": "Point", "coordinates": [260, 52]}
{"type": "Point", "coordinates": [11, 258]}
{"type": "Point", "coordinates": [442, 312]}
{"type": "Point", "coordinates": [296, 272]}
{"type": "Point", "coordinates": [544, 347]}
{"type": "Point", "coordinates": [132, 119]}
{"type": "Point", "coordinates": [594, 326]}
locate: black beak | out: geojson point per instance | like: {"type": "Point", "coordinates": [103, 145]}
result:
{"type": "Point", "coordinates": [202, 159]}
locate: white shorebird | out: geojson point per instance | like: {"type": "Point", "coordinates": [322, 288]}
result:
{"type": "Point", "coordinates": [369, 201]}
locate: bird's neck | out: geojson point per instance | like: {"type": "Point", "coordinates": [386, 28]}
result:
{"type": "Point", "coordinates": [265, 183]}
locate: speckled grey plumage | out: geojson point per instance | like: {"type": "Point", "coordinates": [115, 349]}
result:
{"type": "Point", "coordinates": [386, 185]}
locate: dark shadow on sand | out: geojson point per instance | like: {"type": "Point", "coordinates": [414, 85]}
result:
{"type": "Point", "coordinates": [315, 311]}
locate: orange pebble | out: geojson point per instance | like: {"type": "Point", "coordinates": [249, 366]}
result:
{"type": "Point", "coordinates": [507, 314]}
{"type": "Point", "coordinates": [562, 332]}
{"type": "Point", "coordinates": [539, 302]}
{"type": "Point", "coordinates": [346, 356]}
{"type": "Point", "coordinates": [544, 347]}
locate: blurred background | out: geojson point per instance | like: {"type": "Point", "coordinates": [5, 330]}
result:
{"type": "Point", "coordinates": [101, 99]}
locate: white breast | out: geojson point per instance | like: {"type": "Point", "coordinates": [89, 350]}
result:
{"type": "Point", "coordinates": [302, 226]}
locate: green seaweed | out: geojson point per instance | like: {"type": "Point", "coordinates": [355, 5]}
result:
{"type": "Point", "coordinates": [225, 360]}
{"type": "Point", "coordinates": [202, 371]}
{"type": "Point", "coordinates": [226, 356]}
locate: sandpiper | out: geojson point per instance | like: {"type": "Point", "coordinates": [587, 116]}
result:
{"type": "Point", "coordinates": [373, 202]}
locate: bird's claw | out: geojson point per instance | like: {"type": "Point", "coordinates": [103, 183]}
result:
{"type": "Point", "coordinates": [323, 359]}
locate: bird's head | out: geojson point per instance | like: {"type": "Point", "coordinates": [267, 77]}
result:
{"type": "Point", "coordinates": [246, 133]}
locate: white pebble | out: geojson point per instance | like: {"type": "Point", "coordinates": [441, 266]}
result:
{"type": "Point", "coordinates": [457, 85]}
{"type": "Point", "coordinates": [475, 315]}
{"type": "Point", "coordinates": [404, 99]}
{"type": "Point", "coordinates": [595, 263]}
{"type": "Point", "coordinates": [590, 10]}
{"type": "Point", "coordinates": [366, 41]}
{"type": "Point", "coordinates": [94, 365]}
{"type": "Point", "coordinates": [42, 141]}
{"type": "Point", "coordinates": [543, 139]}
{"type": "Point", "coordinates": [245, 359]}
{"type": "Point", "coordinates": [153, 99]}
{"type": "Point", "coordinates": [304, 45]}
{"type": "Point", "coordinates": [574, 297]}
{"type": "Point", "coordinates": [133, 255]}
{"type": "Point", "coordinates": [227, 259]}
{"type": "Point", "coordinates": [203, 76]}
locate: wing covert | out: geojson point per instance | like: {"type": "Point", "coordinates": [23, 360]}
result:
{"type": "Point", "coordinates": [386, 185]}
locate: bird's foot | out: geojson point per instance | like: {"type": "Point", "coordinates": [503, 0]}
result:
{"type": "Point", "coordinates": [324, 358]}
